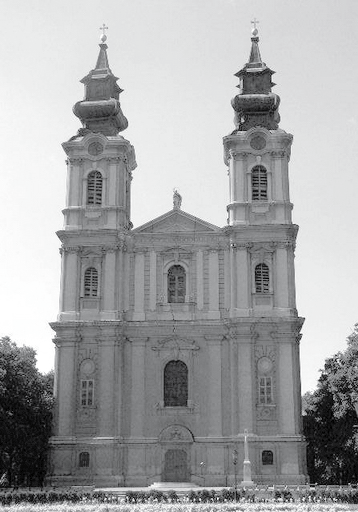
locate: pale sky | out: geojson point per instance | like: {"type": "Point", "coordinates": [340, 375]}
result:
{"type": "Point", "coordinates": [176, 60]}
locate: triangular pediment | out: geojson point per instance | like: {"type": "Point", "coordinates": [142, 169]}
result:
{"type": "Point", "coordinates": [176, 221]}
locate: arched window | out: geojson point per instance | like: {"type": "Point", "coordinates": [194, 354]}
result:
{"type": "Point", "coordinates": [259, 183]}
{"type": "Point", "coordinates": [91, 282]}
{"type": "Point", "coordinates": [84, 459]}
{"type": "Point", "coordinates": [94, 188]}
{"type": "Point", "coordinates": [267, 458]}
{"type": "Point", "coordinates": [175, 384]}
{"type": "Point", "coordinates": [262, 278]}
{"type": "Point", "coordinates": [176, 284]}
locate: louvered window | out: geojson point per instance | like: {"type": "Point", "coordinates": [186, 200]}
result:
{"type": "Point", "coordinates": [262, 278]}
{"type": "Point", "coordinates": [91, 282]}
{"type": "Point", "coordinates": [265, 390]}
{"type": "Point", "coordinates": [87, 392]}
{"type": "Point", "coordinates": [176, 284]}
{"type": "Point", "coordinates": [175, 384]}
{"type": "Point", "coordinates": [94, 188]}
{"type": "Point", "coordinates": [259, 183]}
{"type": "Point", "coordinates": [84, 459]}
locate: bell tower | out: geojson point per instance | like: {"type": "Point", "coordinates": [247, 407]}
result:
{"type": "Point", "coordinates": [262, 278]}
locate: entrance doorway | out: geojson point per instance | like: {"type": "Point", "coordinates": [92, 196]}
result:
{"type": "Point", "coordinates": [176, 466]}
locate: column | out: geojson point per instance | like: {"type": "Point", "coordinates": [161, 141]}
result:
{"type": "Point", "coordinates": [234, 387]}
{"type": "Point", "coordinates": [281, 292]}
{"type": "Point", "coordinates": [245, 391]}
{"type": "Point", "coordinates": [70, 281]}
{"type": "Point", "coordinates": [199, 280]}
{"type": "Point", "coordinates": [66, 387]}
{"type": "Point", "coordinates": [138, 387]}
{"type": "Point", "coordinates": [286, 395]}
{"type": "Point", "coordinates": [104, 399]}
{"type": "Point", "coordinates": [243, 276]}
{"type": "Point", "coordinates": [277, 175]}
{"type": "Point", "coordinates": [108, 284]}
{"type": "Point", "coordinates": [214, 285]}
{"type": "Point", "coordinates": [73, 183]}
{"type": "Point", "coordinates": [233, 279]}
{"type": "Point", "coordinates": [113, 184]}
{"type": "Point", "coordinates": [138, 287]}
{"type": "Point", "coordinates": [214, 392]}
{"type": "Point", "coordinates": [118, 389]}
{"type": "Point", "coordinates": [153, 281]}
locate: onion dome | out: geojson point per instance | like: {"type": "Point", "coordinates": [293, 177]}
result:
{"type": "Point", "coordinates": [100, 111]}
{"type": "Point", "coordinates": [255, 105]}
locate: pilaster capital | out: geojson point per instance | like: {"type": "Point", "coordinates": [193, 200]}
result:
{"type": "Point", "coordinates": [241, 246]}
{"type": "Point", "coordinates": [75, 249]}
{"type": "Point", "coordinates": [237, 155]}
{"type": "Point", "coordinates": [75, 160]}
{"type": "Point", "coordinates": [214, 340]}
{"type": "Point", "coordinates": [286, 244]}
{"type": "Point", "coordinates": [115, 159]}
{"type": "Point", "coordinates": [139, 342]}
{"type": "Point", "coordinates": [278, 154]}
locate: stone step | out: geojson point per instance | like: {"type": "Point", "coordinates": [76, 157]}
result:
{"type": "Point", "coordinates": [173, 485]}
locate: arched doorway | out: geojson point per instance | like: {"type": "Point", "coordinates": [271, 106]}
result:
{"type": "Point", "coordinates": [176, 466]}
{"type": "Point", "coordinates": [176, 446]}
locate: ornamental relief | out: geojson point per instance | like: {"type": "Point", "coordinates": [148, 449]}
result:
{"type": "Point", "coordinates": [175, 347]}
{"type": "Point", "coordinates": [265, 358]}
{"type": "Point", "coordinates": [267, 413]}
{"type": "Point", "coordinates": [176, 433]}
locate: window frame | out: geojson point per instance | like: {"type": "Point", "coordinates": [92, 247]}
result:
{"type": "Point", "coordinates": [94, 189]}
{"type": "Point", "coordinates": [168, 276]}
{"type": "Point", "coordinates": [265, 390]}
{"type": "Point", "coordinates": [262, 280]}
{"type": "Point", "coordinates": [267, 458]}
{"type": "Point", "coordinates": [93, 283]}
{"type": "Point", "coordinates": [84, 460]}
{"type": "Point", "coordinates": [259, 190]}
{"type": "Point", "coordinates": [166, 395]}
{"type": "Point", "coordinates": [87, 393]}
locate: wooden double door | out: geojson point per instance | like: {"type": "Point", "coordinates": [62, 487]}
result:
{"type": "Point", "coordinates": [176, 466]}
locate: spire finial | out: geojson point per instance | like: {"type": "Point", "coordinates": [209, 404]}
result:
{"type": "Point", "coordinates": [254, 31]}
{"type": "Point", "coordinates": [103, 36]}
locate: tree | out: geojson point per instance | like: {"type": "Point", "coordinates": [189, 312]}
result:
{"type": "Point", "coordinates": [329, 419]}
{"type": "Point", "coordinates": [25, 415]}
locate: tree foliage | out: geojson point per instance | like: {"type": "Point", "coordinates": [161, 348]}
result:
{"type": "Point", "coordinates": [330, 419]}
{"type": "Point", "coordinates": [25, 415]}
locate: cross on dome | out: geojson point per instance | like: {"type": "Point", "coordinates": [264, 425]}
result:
{"type": "Point", "coordinates": [103, 36]}
{"type": "Point", "coordinates": [254, 30]}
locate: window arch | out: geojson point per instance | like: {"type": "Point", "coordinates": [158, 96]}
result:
{"type": "Point", "coordinates": [91, 282]}
{"type": "Point", "coordinates": [267, 458]}
{"type": "Point", "coordinates": [94, 188]}
{"type": "Point", "coordinates": [84, 459]}
{"type": "Point", "coordinates": [176, 284]}
{"type": "Point", "coordinates": [259, 183]}
{"type": "Point", "coordinates": [175, 384]}
{"type": "Point", "coordinates": [262, 278]}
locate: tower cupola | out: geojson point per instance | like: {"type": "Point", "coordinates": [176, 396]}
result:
{"type": "Point", "coordinates": [255, 105]}
{"type": "Point", "coordinates": [100, 111]}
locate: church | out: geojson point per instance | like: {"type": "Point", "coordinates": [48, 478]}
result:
{"type": "Point", "coordinates": [177, 339]}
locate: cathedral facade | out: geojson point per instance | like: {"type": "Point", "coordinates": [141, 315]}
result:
{"type": "Point", "coordinates": [175, 338]}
